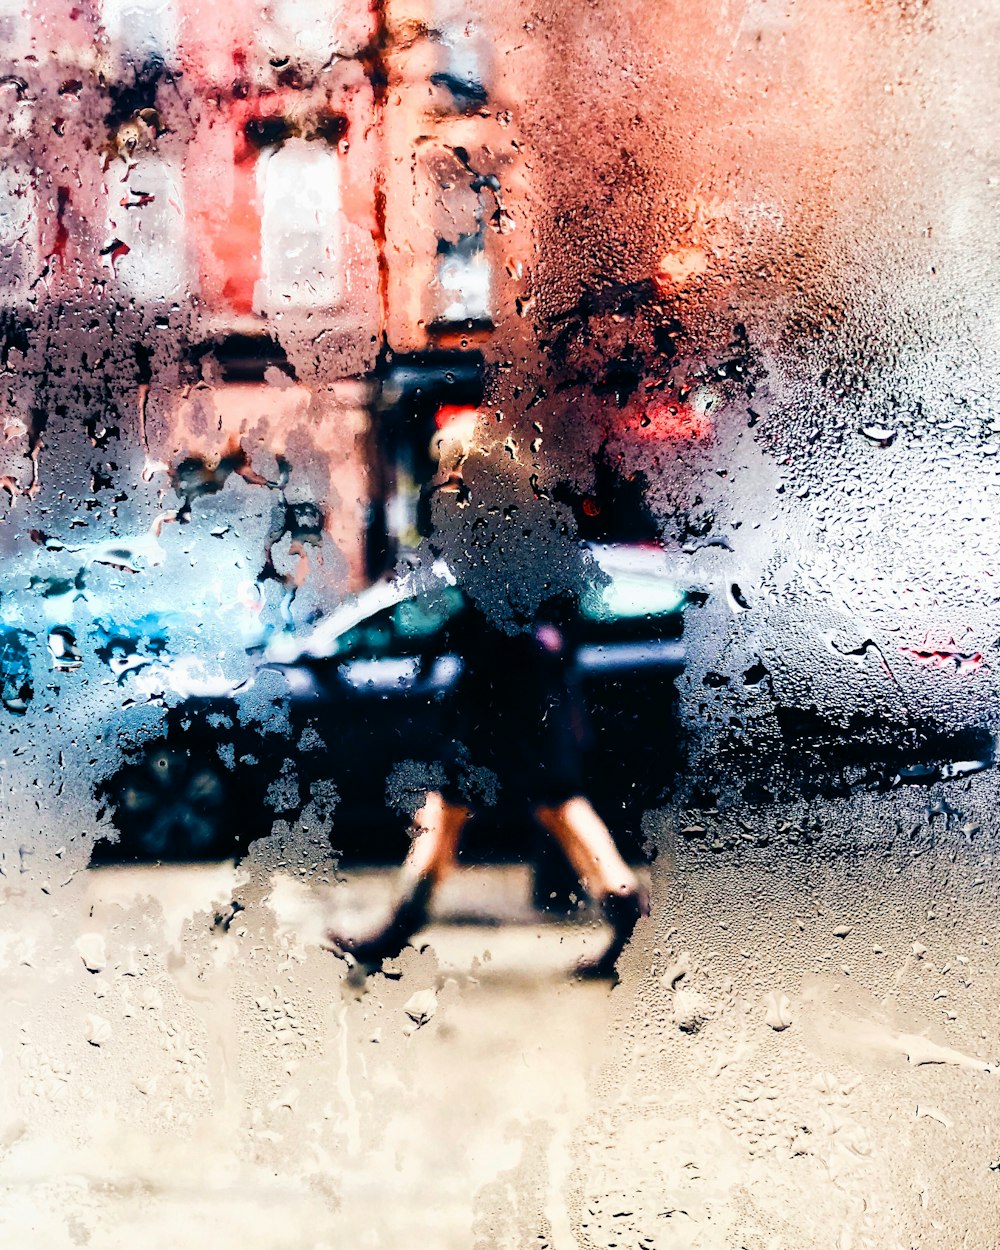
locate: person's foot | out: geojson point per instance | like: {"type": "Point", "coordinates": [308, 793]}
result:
{"type": "Point", "coordinates": [623, 912]}
{"type": "Point", "coordinates": [408, 917]}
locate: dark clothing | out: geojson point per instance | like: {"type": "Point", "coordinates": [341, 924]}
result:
{"type": "Point", "coordinates": [514, 726]}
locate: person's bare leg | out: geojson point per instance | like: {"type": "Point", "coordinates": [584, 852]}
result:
{"type": "Point", "coordinates": [437, 828]}
{"type": "Point", "coordinates": [587, 843]}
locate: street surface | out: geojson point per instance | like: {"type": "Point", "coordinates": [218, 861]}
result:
{"type": "Point", "coordinates": [180, 1072]}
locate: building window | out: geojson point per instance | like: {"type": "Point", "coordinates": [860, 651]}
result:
{"type": "Point", "coordinates": [301, 30]}
{"type": "Point", "coordinates": [147, 247]}
{"type": "Point", "coordinates": [299, 190]}
{"type": "Point", "coordinates": [141, 31]}
{"type": "Point", "coordinates": [18, 247]}
{"type": "Point", "coordinates": [463, 276]}
{"type": "Point", "coordinates": [15, 28]}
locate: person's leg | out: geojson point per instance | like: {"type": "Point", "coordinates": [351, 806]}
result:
{"type": "Point", "coordinates": [437, 828]}
{"type": "Point", "coordinates": [587, 843]}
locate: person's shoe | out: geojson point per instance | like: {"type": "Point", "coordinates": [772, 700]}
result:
{"type": "Point", "coordinates": [623, 912]}
{"type": "Point", "coordinates": [408, 917]}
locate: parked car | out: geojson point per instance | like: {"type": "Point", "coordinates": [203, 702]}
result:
{"type": "Point", "coordinates": [357, 704]}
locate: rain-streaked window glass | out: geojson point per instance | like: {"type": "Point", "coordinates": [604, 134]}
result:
{"type": "Point", "coordinates": [463, 274]}
{"type": "Point", "coordinates": [498, 624]}
{"type": "Point", "coordinates": [307, 29]}
{"type": "Point", "coordinates": [15, 27]}
{"type": "Point", "coordinates": [463, 68]}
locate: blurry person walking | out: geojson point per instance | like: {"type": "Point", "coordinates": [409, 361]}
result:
{"type": "Point", "coordinates": [513, 733]}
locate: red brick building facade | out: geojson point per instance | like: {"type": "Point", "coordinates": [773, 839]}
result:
{"type": "Point", "coordinates": [293, 199]}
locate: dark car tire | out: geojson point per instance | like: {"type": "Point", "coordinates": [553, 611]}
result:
{"type": "Point", "coordinates": [173, 803]}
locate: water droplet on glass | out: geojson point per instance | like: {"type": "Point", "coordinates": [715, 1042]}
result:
{"type": "Point", "coordinates": [421, 1006]}
{"type": "Point", "coordinates": [96, 1030]}
{"type": "Point", "coordinates": [777, 1011]}
{"type": "Point", "coordinates": [879, 434]}
{"type": "Point", "coordinates": [92, 950]}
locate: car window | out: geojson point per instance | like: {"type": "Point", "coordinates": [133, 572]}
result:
{"type": "Point", "coordinates": [403, 628]}
{"type": "Point", "coordinates": [625, 597]}
{"type": "Point", "coordinates": [426, 615]}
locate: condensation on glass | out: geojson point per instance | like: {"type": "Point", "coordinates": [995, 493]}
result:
{"type": "Point", "coordinates": [316, 316]}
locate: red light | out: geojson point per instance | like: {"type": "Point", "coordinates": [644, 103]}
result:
{"type": "Point", "coordinates": [448, 413]}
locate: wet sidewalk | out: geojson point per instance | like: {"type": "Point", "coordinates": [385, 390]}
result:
{"type": "Point", "coordinates": [766, 1075]}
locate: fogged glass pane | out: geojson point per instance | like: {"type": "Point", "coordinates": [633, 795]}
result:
{"type": "Point", "coordinates": [497, 624]}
